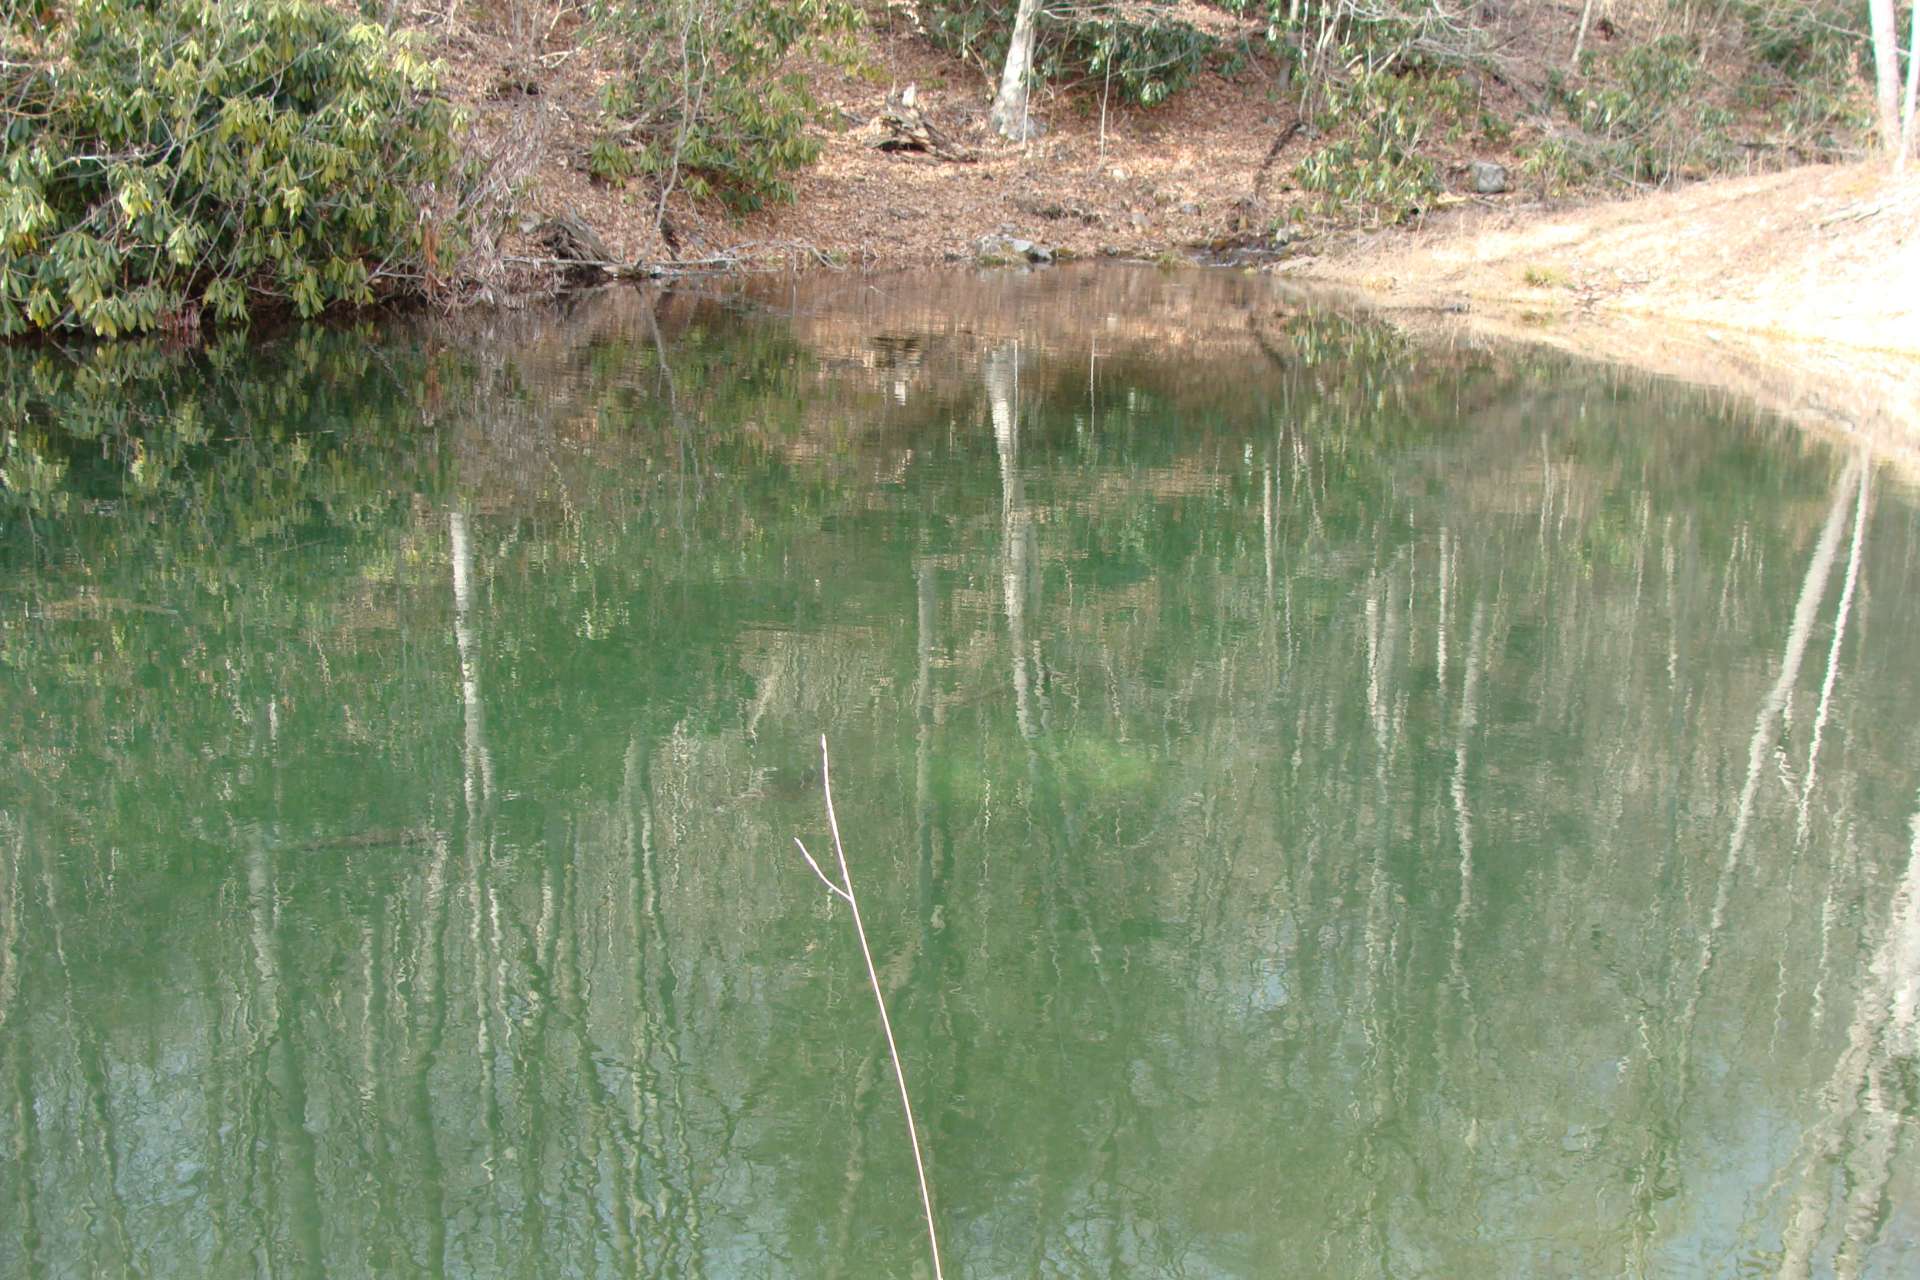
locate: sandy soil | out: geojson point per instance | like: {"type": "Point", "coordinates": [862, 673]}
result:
{"type": "Point", "coordinates": [1799, 289]}
{"type": "Point", "coordinates": [1824, 253]}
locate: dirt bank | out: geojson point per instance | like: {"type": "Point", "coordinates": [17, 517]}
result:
{"type": "Point", "coordinates": [1125, 182]}
{"type": "Point", "coordinates": [1822, 253]}
{"type": "Point", "coordinates": [1800, 289]}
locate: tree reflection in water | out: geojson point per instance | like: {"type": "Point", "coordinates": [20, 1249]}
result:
{"type": "Point", "coordinates": [1337, 807]}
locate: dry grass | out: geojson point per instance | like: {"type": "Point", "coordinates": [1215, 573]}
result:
{"type": "Point", "coordinates": [1822, 253]}
{"type": "Point", "coordinates": [1799, 291]}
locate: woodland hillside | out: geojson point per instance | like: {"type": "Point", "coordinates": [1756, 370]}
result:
{"type": "Point", "coordinates": [189, 162]}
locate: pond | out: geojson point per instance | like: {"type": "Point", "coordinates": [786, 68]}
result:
{"type": "Point", "coordinates": [1321, 803]}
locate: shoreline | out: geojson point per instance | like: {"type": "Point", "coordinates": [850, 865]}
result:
{"type": "Point", "coordinates": [1799, 290]}
{"type": "Point", "coordinates": [1850, 396]}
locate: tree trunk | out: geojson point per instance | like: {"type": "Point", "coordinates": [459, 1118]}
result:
{"type": "Point", "coordinates": [1580, 41]}
{"type": "Point", "coordinates": [1886, 73]}
{"type": "Point", "coordinates": [1009, 115]}
{"type": "Point", "coordinates": [1913, 92]}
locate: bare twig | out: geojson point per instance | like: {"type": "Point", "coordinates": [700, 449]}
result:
{"type": "Point", "coordinates": [831, 886]}
{"type": "Point", "coordinates": [845, 890]}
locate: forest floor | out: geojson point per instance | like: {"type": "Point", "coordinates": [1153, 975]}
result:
{"type": "Point", "coordinates": [1126, 182]}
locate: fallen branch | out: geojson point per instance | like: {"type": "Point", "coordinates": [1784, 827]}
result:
{"type": "Point", "coordinates": [844, 889]}
{"type": "Point", "coordinates": [1856, 213]}
{"type": "Point", "coordinates": [609, 266]}
{"type": "Point", "coordinates": [738, 256]}
{"type": "Point", "coordinates": [909, 128]}
{"type": "Point", "coordinates": [630, 270]}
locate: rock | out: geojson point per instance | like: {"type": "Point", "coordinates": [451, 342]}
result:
{"type": "Point", "coordinates": [1014, 247]}
{"type": "Point", "coordinates": [1189, 208]}
{"type": "Point", "coordinates": [1489, 179]}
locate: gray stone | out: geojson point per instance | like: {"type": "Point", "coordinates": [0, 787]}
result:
{"type": "Point", "coordinates": [1014, 247]}
{"type": "Point", "coordinates": [1489, 179]}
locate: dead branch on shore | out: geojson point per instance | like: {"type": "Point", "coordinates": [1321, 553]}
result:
{"type": "Point", "coordinates": [764, 254]}
{"type": "Point", "coordinates": [908, 128]}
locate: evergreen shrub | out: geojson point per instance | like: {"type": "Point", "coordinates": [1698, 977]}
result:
{"type": "Point", "coordinates": [164, 158]}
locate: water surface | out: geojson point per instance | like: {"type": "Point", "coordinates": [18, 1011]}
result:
{"type": "Point", "coordinates": [1322, 805]}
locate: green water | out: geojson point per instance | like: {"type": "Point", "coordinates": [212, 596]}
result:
{"type": "Point", "coordinates": [1321, 806]}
